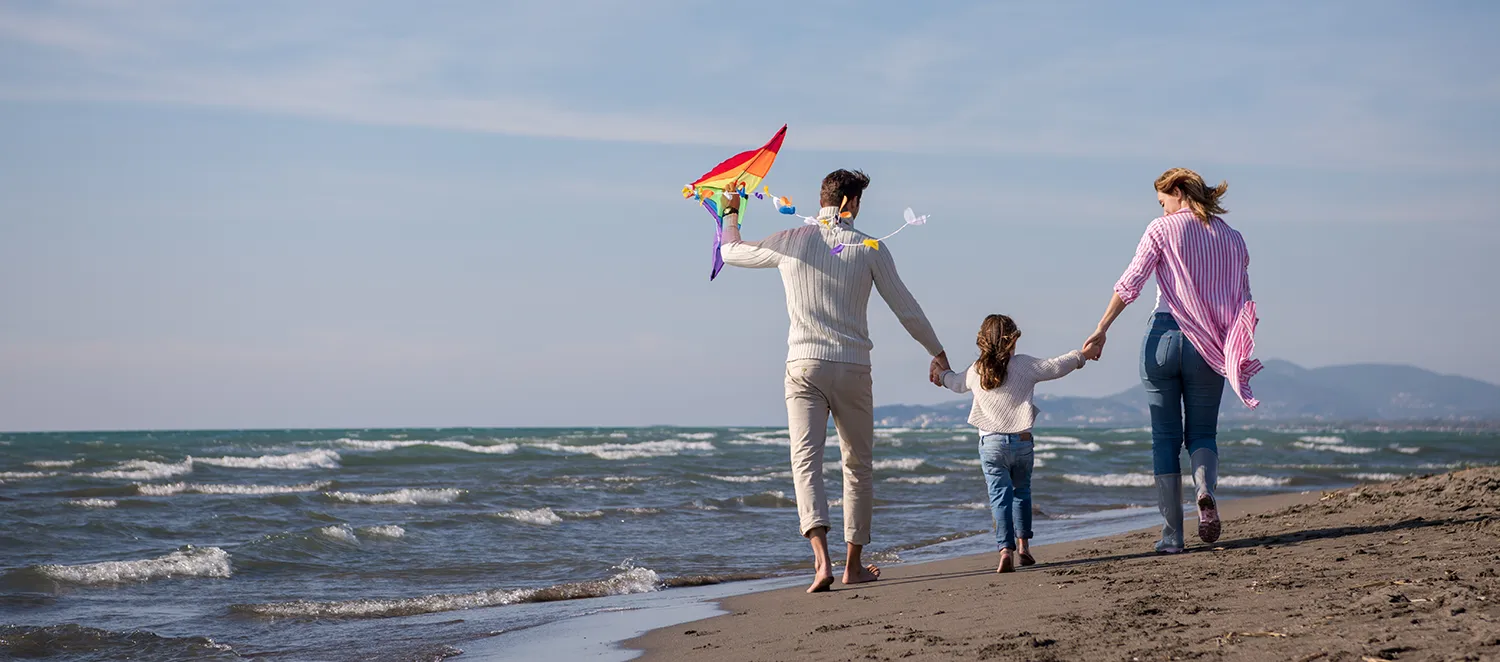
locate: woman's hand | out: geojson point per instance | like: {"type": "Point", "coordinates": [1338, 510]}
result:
{"type": "Point", "coordinates": [1093, 348]}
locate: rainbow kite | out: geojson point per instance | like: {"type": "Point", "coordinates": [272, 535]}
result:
{"type": "Point", "coordinates": [734, 177]}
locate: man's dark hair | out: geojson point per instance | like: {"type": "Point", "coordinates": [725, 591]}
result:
{"type": "Point", "coordinates": [841, 184]}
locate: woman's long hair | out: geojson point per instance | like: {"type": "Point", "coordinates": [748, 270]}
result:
{"type": "Point", "coordinates": [997, 343]}
{"type": "Point", "coordinates": [1204, 201]}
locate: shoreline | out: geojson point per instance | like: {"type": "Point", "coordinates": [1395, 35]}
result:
{"type": "Point", "coordinates": [1329, 576]}
{"type": "Point", "coordinates": [612, 631]}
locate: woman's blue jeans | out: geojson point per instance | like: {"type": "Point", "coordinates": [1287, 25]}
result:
{"type": "Point", "coordinates": [1007, 463]}
{"type": "Point", "coordinates": [1184, 394]}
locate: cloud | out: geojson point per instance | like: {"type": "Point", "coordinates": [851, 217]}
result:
{"type": "Point", "coordinates": [1269, 89]}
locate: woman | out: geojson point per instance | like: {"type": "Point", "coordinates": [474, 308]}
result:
{"type": "Point", "coordinates": [1202, 331]}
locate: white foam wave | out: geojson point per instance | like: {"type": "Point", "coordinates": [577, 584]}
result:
{"type": "Point", "coordinates": [315, 459]}
{"type": "Point", "coordinates": [1253, 481]}
{"type": "Point", "coordinates": [169, 489]}
{"type": "Point", "coordinates": [641, 511]}
{"type": "Point", "coordinates": [504, 448]}
{"type": "Point", "coordinates": [341, 533]}
{"type": "Point", "coordinates": [1251, 441]}
{"type": "Point", "coordinates": [1374, 477]}
{"type": "Point", "coordinates": [776, 438]}
{"type": "Point", "coordinates": [973, 506]}
{"type": "Point", "coordinates": [540, 516]}
{"type": "Point", "coordinates": [53, 464]}
{"type": "Point", "coordinates": [700, 436]}
{"type": "Point", "coordinates": [413, 497]}
{"type": "Point", "coordinates": [1057, 439]}
{"type": "Point", "coordinates": [917, 480]}
{"type": "Point", "coordinates": [1085, 446]}
{"type": "Point", "coordinates": [581, 514]}
{"type": "Point", "coordinates": [1112, 480]}
{"type": "Point", "coordinates": [25, 475]}
{"type": "Point", "coordinates": [631, 580]}
{"type": "Point", "coordinates": [1046, 456]}
{"type": "Point", "coordinates": [146, 470]}
{"type": "Point", "coordinates": [741, 479]}
{"type": "Point", "coordinates": [191, 562]}
{"type": "Point", "coordinates": [902, 464]}
{"type": "Point", "coordinates": [1322, 440]}
{"type": "Point", "coordinates": [972, 462]}
{"type": "Point", "coordinates": [1125, 442]}
{"type": "Point", "coordinates": [93, 503]}
{"type": "Point", "coordinates": [1337, 448]}
{"type": "Point", "coordinates": [1038, 462]}
{"type": "Point", "coordinates": [628, 451]}
{"type": "Point", "coordinates": [1409, 450]}
{"type": "Point", "coordinates": [384, 531]}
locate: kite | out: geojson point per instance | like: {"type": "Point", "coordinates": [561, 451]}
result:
{"type": "Point", "coordinates": [733, 177]}
{"type": "Point", "coordinates": [738, 176]}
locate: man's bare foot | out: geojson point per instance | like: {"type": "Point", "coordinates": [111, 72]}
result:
{"type": "Point", "coordinates": [1007, 562]}
{"type": "Point", "coordinates": [822, 583]}
{"type": "Point", "coordinates": [861, 574]}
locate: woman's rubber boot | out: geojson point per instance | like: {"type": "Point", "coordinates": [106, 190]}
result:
{"type": "Point", "coordinates": [1169, 502]}
{"type": "Point", "coordinates": [1206, 477]}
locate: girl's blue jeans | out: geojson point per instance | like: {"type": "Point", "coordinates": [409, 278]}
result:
{"type": "Point", "coordinates": [1007, 462]}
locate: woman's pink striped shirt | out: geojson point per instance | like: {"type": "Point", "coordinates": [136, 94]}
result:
{"type": "Point", "coordinates": [1203, 273]}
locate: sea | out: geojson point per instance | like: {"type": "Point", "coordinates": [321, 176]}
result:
{"type": "Point", "coordinates": [424, 544]}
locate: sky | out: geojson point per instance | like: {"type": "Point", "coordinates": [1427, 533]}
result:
{"type": "Point", "coordinates": [370, 214]}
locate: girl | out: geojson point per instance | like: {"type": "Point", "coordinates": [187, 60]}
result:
{"type": "Point", "coordinates": [1003, 382]}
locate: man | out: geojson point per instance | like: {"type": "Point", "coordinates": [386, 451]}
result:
{"type": "Point", "coordinates": [828, 361]}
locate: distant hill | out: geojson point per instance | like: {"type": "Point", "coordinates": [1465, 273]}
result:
{"type": "Point", "coordinates": [1287, 393]}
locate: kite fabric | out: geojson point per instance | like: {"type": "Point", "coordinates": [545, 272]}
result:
{"type": "Point", "coordinates": [738, 176]}
{"type": "Point", "coordinates": [739, 173]}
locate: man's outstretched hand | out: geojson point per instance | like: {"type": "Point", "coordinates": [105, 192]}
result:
{"type": "Point", "coordinates": [935, 370]}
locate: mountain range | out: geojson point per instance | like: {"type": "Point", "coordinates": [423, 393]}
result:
{"type": "Point", "coordinates": [1287, 392]}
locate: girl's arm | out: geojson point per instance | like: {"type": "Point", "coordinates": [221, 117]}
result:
{"type": "Point", "coordinates": [958, 382]}
{"type": "Point", "coordinates": [1059, 367]}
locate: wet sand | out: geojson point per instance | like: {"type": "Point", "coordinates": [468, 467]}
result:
{"type": "Point", "coordinates": [1393, 571]}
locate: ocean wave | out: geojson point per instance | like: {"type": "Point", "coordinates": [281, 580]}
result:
{"type": "Point", "coordinates": [1058, 439]}
{"type": "Point", "coordinates": [1082, 446]}
{"type": "Point", "coordinates": [146, 470]}
{"type": "Point", "coordinates": [641, 511]}
{"type": "Point", "coordinates": [700, 436]}
{"type": "Point", "coordinates": [1374, 477]}
{"type": "Point", "coordinates": [1112, 480]}
{"type": "Point", "coordinates": [411, 497]}
{"type": "Point", "coordinates": [1322, 440]}
{"type": "Point", "coordinates": [24, 475]}
{"type": "Point", "coordinates": [1409, 450]}
{"type": "Point", "coordinates": [340, 532]}
{"type": "Point", "coordinates": [1253, 481]}
{"type": "Point", "coordinates": [1337, 448]}
{"type": "Point", "coordinates": [918, 480]}
{"type": "Point", "coordinates": [53, 464]}
{"type": "Point", "coordinates": [902, 464]}
{"type": "Point", "coordinates": [93, 503]}
{"type": "Point", "coordinates": [389, 531]}
{"type": "Point", "coordinates": [169, 489]}
{"type": "Point", "coordinates": [970, 462]}
{"type": "Point", "coordinates": [1251, 441]}
{"type": "Point", "coordinates": [504, 448]}
{"type": "Point", "coordinates": [539, 516]}
{"type": "Point", "coordinates": [977, 505]}
{"type": "Point", "coordinates": [775, 438]}
{"type": "Point", "coordinates": [619, 435]}
{"type": "Point", "coordinates": [1125, 442]}
{"type": "Point", "coordinates": [642, 449]}
{"type": "Point", "coordinates": [741, 479]}
{"type": "Point", "coordinates": [315, 459]}
{"type": "Point", "coordinates": [629, 580]}
{"type": "Point", "coordinates": [190, 562]}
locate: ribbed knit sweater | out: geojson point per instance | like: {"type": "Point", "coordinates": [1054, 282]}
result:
{"type": "Point", "coordinates": [827, 295]}
{"type": "Point", "coordinates": [1008, 408]}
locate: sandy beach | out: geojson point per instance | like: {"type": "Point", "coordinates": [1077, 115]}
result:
{"type": "Point", "coordinates": [1405, 570]}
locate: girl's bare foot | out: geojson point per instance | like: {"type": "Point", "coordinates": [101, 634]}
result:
{"type": "Point", "coordinates": [1007, 562]}
{"type": "Point", "coordinates": [861, 574]}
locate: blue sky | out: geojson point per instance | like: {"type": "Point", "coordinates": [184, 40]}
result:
{"type": "Point", "coordinates": [288, 214]}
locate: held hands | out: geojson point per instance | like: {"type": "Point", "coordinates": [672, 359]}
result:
{"type": "Point", "coordinates": [1093, 348]}
{"type": "Point", "coordinates": [936, 368]}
